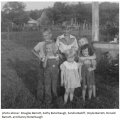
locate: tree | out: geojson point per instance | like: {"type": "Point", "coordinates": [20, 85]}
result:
{"type": "Point", "coordinates": [65, 12]}
{"type": "Point", "coordinates": [108, 12]}
{"type": "Point", "coordinates": [15, 7]}
{"type": "Point", "coordinates": [109, 19]}
{"type": "Point", "coordinates": [59, 12]}
{"type": "Point", "coordinates": [83, 12]}
{"type": "Point", "coordinates": [14, 12]}
{"type": "Point", "coordinates": [35, 14]}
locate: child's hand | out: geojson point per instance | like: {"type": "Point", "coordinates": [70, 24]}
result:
{"type": "Point", "coordinates": [42, 59]}
{"type": "Point", "coordinates": [57, 58]}
{"type": "Point", "coordinates": [81, 81]}
{"type": "Point", "coordinates": [82, 58]}
{"type": "Point", "coordinates": [90, 69]}
{"type": "Point", "coordinates": [46, 57]}
{"type": "Point", "coordinates": [60, 56]}
{"type": "Point", "coordinates": [62, 84]}
{"type": "Point", "coordinates": [45, 61]}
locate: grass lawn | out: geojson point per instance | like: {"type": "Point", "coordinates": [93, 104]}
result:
{"type": "Point", "coordinates": [21, 77]}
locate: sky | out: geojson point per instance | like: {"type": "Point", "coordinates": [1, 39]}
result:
{"type": "Point", "coordinates": [35, 5]}
{"type": "Point", "coordinates": [39, 5]}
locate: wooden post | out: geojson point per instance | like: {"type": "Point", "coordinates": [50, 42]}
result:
{"type": "Point", "coordinates": [95, 21]}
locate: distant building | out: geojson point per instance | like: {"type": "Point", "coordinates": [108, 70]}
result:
{"type": "Point", "coordinates": [32, 22]}
{"type": "Point", "coordinates": [31, 25]}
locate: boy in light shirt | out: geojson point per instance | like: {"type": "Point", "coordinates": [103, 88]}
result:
{"type": "Point", "coordinates": [39, 48]}
{"type": "Point", "coordinates": [39, 51]}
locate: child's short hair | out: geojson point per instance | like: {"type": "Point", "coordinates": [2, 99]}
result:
{"type": "Point", "coordinates": [46, 30]}
{"type": "Point", "coordinates": [90, 50]}
{"type": "Point", "coordinates": [70, 53]}
{"type": "Point", "coordinates": [52, 46]}
{"type": "Point", "coordinates": [83, 40]}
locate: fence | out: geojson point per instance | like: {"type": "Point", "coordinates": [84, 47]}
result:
{"type": "Point", "coordinates": [30, 38]}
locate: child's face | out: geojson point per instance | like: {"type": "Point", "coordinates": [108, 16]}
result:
{"type": "Point", "coordinates": [85, 52]}
{"type": "Point", "coordinates": [67, 32]}
{"type": "Point", "coordinates": [47, 35]}
{"type": "Point", "coordinates": [70, 59]}
{"type": "Point", "coordinates": [49, 48]}
{"type": "Point", "coordinates": [82, 42]}
{"type": "Point", "coordinates": [71, 55]}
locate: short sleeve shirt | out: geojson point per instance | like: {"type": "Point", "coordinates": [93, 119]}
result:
{"type": "Point", "coordinates": [63, 47]}
{"type": "Point", "coordinates": [40, 48]}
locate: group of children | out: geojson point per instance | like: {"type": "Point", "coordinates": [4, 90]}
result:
{"type": "Point", "coordinates": [77, 69]}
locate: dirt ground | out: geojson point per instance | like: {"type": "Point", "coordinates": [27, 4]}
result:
{"type": "Point", "coordinates": [22, 83]}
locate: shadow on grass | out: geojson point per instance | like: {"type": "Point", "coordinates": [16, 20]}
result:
{"type": "Point", "coordinates": [29, 72]}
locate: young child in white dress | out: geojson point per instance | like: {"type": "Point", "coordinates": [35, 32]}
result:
{"type": "Point", "coordinates": [70, 75]}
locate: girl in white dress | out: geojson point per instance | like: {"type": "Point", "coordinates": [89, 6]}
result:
{"type": "Point", "coordinates": [70, 75]}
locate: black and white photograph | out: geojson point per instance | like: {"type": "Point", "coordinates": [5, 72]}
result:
{"type": "Point", "coordinates": [59, 55]}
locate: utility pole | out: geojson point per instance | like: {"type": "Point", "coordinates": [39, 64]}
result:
{"type": "Point", "coordinates": [95, 21]}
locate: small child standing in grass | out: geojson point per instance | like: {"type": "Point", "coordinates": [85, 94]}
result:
{"type": "Point", "coordinates": [91, 57]}
{"type": "Point", "coordinates": [88, 67]}
{"type": "Point", "coordinates": [70, 77]}
{"type": "Point", "coordinates": [51, 72]}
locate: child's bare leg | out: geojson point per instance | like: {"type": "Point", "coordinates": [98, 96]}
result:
{"type": "Point", "coordinates": [94, 90]}
{"type": "Point", "coordinates": [84, 92]}
{"type": "Point", "coordinates": [71, 94]}
{"type": "Point", "coordinates": [90, 92]}
{"type": "Point", "coordinates": [66, 95]}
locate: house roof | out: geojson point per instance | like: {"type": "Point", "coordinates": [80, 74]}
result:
{"type": "Point", "coordinates": [43, 18]}
{"type": "Point", "coordinates": [32, 21]}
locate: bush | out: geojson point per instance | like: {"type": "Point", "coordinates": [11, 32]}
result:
{"type": "Point", "coordinates": [108, 66]}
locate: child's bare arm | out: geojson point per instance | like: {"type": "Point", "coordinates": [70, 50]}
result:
{"type": "Point", "coordinates": [45, 62]}
{"type": "Point", "coordinates": [93, 65]}
{"type": "Point", "coordinates": [79, 69]}
{"type": "Point", "coordinates": [59, 54]}
{"type": "Point", "coordinates": [62, 78]}
{"type": "Point", "coordinates": [90, 57]}
{"type": "Point", "coordinates": [36, 53]}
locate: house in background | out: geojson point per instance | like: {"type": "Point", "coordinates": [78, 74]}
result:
{"type": "Point", "coordinates": [32, 22]}
{"type": "Point", "coordinates": [31, 25]}
{"type": "Point", "coordinates": [42, 21]}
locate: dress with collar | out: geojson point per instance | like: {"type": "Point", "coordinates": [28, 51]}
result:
{"type": "Point", "coordinates": [64, 47]}
{"type": "Point", "coordinates": [71, 74]}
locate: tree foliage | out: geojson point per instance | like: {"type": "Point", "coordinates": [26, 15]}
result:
{"type": "Point", "coordinates": [61, 12]}
{"type": "Point", "coordinates": [109, 13]}
{"type": "Point", "coordinates": [65, 12]}
{"type": "Point", "coordinates": [35, 14]}
{"type": "Point", "coordinates": [14, 12]}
